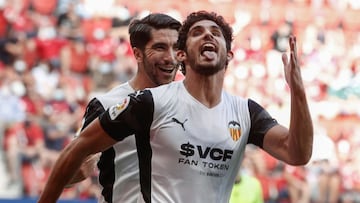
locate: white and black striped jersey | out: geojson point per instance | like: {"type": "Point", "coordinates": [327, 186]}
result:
{"type": "Point", "coordinates": [118, 166]}
{"type": "Point", "coordinates": [187, 151]}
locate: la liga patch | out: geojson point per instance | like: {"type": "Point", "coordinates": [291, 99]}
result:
{"type": "Point", "coordinates": [115, 110]}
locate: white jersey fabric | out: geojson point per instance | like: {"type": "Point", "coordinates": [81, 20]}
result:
{"type": "Point", "coordinates": [187, 151]}
{"type": "Point", "coordinates": [118, 166]}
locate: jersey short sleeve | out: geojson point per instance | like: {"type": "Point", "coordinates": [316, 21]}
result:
{"type": "Point", "coordinates": [261, 122]}
{"type": "Point", "coordinates": [93, 109]}
{"type": "Point", "coordinates": [132, 114]}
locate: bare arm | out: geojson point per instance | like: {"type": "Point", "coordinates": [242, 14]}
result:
{"type": "Point", "coordinates": [92, 139]}
{"type": "Point", "coordinates": [93, 110]}
{"type": "Point", "coordinates": [87, 168]}
{"type": "Point", "coordinates": [293, 145]}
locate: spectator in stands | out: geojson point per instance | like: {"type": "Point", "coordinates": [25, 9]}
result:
{"type": "Point", "coordinates": [74, 57]}
{"type": "Point", "coordinates": [247, 183]}
{"type": "Point", "coordinates": [330, 57]}
{"type": "Point", "coordinates": [280, 36]}
{"type": "Point", "coordinates": [69, 22]}
{"type": "Point", "coordinates": [298, 187]}
{"type": "Point", "coordinates": [31, 146]}
{"type": "Point", "coordinates": [323, 169]}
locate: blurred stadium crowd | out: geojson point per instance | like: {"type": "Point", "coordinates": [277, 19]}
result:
{"type": "Point", "coordinates": [57, 54]}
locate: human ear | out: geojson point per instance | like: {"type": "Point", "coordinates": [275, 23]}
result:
{"type": "Point", "coordinates": [229, 56]}
{"type": "Point", "coordinates": [180, 55]}
{"type": "Point", "coordinates": [138, 54]}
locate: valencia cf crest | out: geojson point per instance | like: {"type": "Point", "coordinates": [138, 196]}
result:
{"type": "Point", "coordinates": [235, 130]}
{"type": "Point", "coordinates": [115, 110]}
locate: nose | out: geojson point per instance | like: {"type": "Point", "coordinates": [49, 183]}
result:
{"type": "Point", "coordinates": [208, 34]}
{"type": "Point", "coordinates": [170, 56]}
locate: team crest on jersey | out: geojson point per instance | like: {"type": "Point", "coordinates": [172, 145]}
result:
{"type": "Point", "coordinates": [235, 130]}
{"type": "Point", "coordinates": [115, 110]}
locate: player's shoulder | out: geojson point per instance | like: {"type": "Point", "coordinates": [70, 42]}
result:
{"type": "Point", "coordinates": [112, 96]}
{"type": "Point", "coordinates": [119, 90]}
{"type": "Point", "coordinates": [168, 89]}
{"type": "Point", "coordinates": [229, 97]}
{"type": "Point", "coordinates": [163, 95]}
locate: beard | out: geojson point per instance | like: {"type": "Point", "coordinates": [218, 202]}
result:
{"type": "Point", "coordinates": [149, 69]}
{"type": "Point", "coordinates": [207, 69]}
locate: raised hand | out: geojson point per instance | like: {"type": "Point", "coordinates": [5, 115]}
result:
{"type": "Point", "coordinates": [292, 68]}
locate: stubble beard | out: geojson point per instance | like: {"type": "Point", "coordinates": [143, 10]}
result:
{"type": "Point", "coordinates": [207, 69]}
{"type": "Point", "coordinates": [149, 70]}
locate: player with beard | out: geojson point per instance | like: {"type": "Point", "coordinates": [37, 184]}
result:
{"type": "Point", "coordinates": [153, 39]}
{"type": "Point", "coordinates": [192, 134]}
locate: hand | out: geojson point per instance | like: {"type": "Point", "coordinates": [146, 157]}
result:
{"type": "Point", "coordinates": [89, 165]}
{"type": "Point", "coordinates": [292, 68]}
{"type": "Point", "coordinates": [87, 168]}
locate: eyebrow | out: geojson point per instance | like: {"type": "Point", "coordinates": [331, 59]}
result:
{"type": "Point", "coordinates": [199, 26]}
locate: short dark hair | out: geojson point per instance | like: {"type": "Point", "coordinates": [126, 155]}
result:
{"type": "Point", "coordinates": [204, 15]}
{"type": "Point", "coordinates": [140, 29]}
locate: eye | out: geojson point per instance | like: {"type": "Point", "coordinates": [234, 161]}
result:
{"type": "Point", "coordinates": [196, 32]}
{"type": "Point", "coordinates": [159, 47]}
{"type": "Point", "coordinates": [217, 33]}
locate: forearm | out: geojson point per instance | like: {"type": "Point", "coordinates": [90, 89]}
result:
{"type": "Point", "coordinates": [78, 177]}
{"type": "Point", "coordinates": [87, 168]}
{"type": "Point", "coordinates": [64, 169]}
{"type": "Point", "coordinates": [300, 129]}
{"type": "Point", "coordinates": [92, 140]}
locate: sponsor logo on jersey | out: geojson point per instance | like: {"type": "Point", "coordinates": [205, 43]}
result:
{"type": "Point", "coordinates": [213, 161]}
{"type": "Point", "coordinates": [235, 130]}
{"type": "Point", "coordinates": [215, 154]}
{"type": "Point", "coordinates": [182, 124]}
{"type": "Point", "coordinates": [115, 110]}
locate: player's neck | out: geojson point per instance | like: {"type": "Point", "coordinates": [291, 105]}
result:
{"type": "Point", "coordinates": [140, 83]}
{"type": "Point", "coordinates": [206, 89]}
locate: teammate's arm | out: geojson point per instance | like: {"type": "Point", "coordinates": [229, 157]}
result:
{"type": "Point", "coordinates": [92, 139]}
{"type": "Point", "coordinates": [86, 170]}
{"type": "Point", "coordinates": [93, 110]}
{"type": "Point", "coordinates": [133, 114]}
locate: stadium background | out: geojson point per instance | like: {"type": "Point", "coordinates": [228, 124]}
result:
{"type": "Point", "coordinates": [56, 54]}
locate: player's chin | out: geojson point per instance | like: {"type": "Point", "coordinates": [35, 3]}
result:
{"type": "Point", "coordinates": [166, 78]}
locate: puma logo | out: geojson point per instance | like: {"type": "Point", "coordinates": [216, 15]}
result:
{"type": "Point", "coordinates": [180, 123]}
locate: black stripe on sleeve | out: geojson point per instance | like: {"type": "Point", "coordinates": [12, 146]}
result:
{"type": "Point", "coordinates": [261, 122]}
{"type": "Point", "coordinates": [133, 118]}
{"type": "Point", "coordinates": [93, 110]}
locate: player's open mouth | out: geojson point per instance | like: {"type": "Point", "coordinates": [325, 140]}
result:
{"type": "Point", "coordinates": [167, 70]}
{"type": "Point", "coordinates": [208, 50]}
